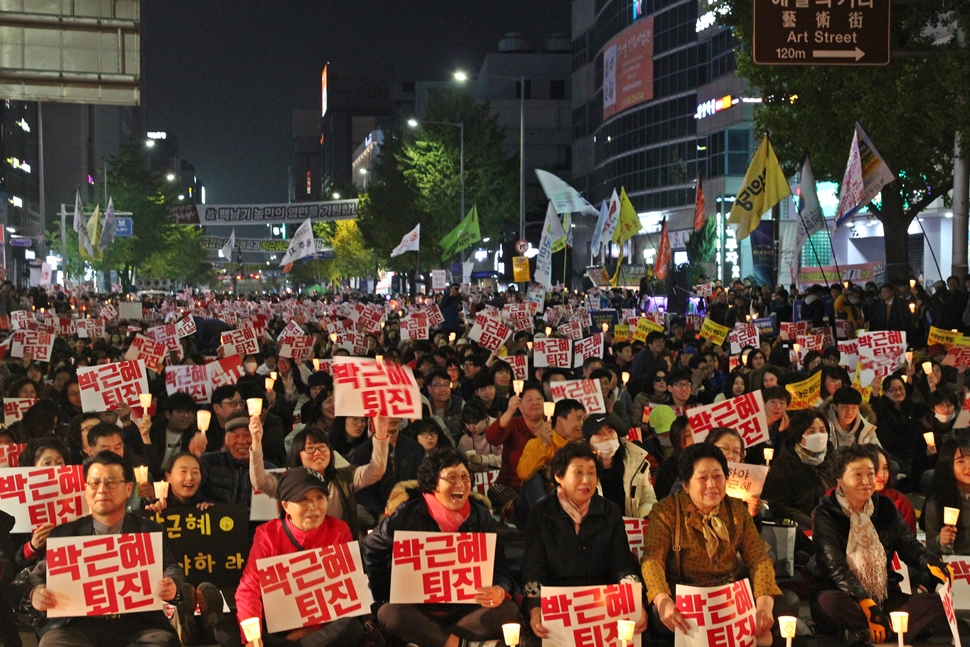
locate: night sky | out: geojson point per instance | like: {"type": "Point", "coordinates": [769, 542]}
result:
{"type": "Point", "coordinates": [225, 76]}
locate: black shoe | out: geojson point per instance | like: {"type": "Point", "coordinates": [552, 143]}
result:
{"type": "Point", "coordinates": [210, 608]}
{"type": "Point", "coordinates": [855, 638]}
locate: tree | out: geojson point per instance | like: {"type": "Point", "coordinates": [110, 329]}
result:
{"type": "Point", "coordinates": [352, 257]}
{"type": "Point", "coordinates": [701, 248]}
{"type": "Point", "coordinates": [911, 109]}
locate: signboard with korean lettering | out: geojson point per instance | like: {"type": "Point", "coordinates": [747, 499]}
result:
{"type": "Point", "coordinates": [745, 481]}
{"type": "Point", "coordinates": [440, 567]}
{"type": "Point", "coordinates": [636, 534]}
{"type": "Point", "coordinates": [586, 348]}
{"type": "Point", "coordinates": [765, 325]}
{"type": "Point", "coordinates": [806, 393]}
{"type": "Point", "coordinates": [945, 337]}
{"type": "Point", "coordinates": [104, 387]}
{"type": "Point", "coordinates": [882, 343]}
{"type": "Point", "coordinates": [946, 595]}
{"type": "Point", "coordinates": [552, 352]}
{"type": "Point", "coordinates": [621, 332]}
{"type": "Point", "coordinates": [744, 334]}
{"type": "Point", "coordinates": [961, 580]}
{"type": "Point", "coordinates": [10, 454]}
{"type": "Point", "coordinates": [36, 495]}
{"type": "Point", "coordinates": [645, 326]}
{"type": "Point", "coordinates": [239, 342]}
{"type": "Point", "coordinates": [821, 32]}
{"type": "Point", "coordinates": [224, 371]}
{"type": "Point", "coordinates": [297, 347]}
{"type": "Point", "coordinates": [715, 333]}
{"type": "Point", "coordinates": [14, 409]}
{"type": "Point", "coordinates": [415, 326]}
{"type": "Point", "coordinates": [264, 507]}
{"type": "Point", "coordinates": [745, 414]}
{"type": "Point", "coordinates": [520, 366]}
{"type": "Point", "coordinates": [185, 327]}
{"type": "Point", "coordinates": [366, 387]}
{"type": "Point", "coordinates": [32, 343]}
{"type": "Point", "coordinates": [791, 330]}
{"type": "Point", "coordinates": [489, 332]}
{"type": "Point", "coordinates": [844, 330]}
{"type": "Point", "coordinates": [210, 545]}
{"type": "Point", "coordinates": [587, 615]}
{"type": "Point", "coordinates": [717, 615]}
{"type": "Point", "coordinates": [957, 356]}
{"type": "Point", "coordinates": [588, 392]}
{"type": "Point", "coordinates": [104, 574]}
{"type": "Point", "coordinates": [108, 311]}
{"type": "Point", "coordinates": [313, 587]}
{"type": "Point", "coordinates": [192, 379]}
{"type": "Point", "coordinates": [811, 342]}
{"type": "Point", "coordinates": [149, 350]}
{"type": "Point", "coordinates": [482, 481]}
{"type": "Point", "coordinates": [439, 280]}
{"type": "Point", "coordinates": [572, 330]}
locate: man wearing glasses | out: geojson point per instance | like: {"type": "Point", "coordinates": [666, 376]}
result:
{"type": "Point", "coordinates": [225, 401]}
{"type": "Point", "coordinates": [109, 482]}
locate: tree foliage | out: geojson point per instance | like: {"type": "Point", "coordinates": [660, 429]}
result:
{"type": "Point", "coordinates": [701, 249]}
{"type": "Point", "coordinates": [911, 109]}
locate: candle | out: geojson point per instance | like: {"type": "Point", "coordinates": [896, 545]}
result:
{"type": "Point", "coordinates": [252, 629]}
{"type": "Point", "coordinates": [624, 631]}
{"type": "Point", "coordinates": [909, 357]}
{"type": "Point", "coordinates": [202, 418]}
{"type": "Point", "coordinates": [927, 367]}
{"type": "Point", "coordinates": [517, 386]}
{"type": "Point", "coordinates": [846, 284]}
{"type": "Point", "coordinates": [797, 347]}
{"type": "Point", "coordinates": [529, 345]}
{"type": "Point", "coordinates": [548, 331]}
{"type": "Point", "coordinates": [452, 336]}
{"type": "Point", "coordinates": [769, 455]}
{"type": "Point", "coordinates": [929, 438]}
{"type": "Point", "coordinates": [903, 378]}
{"type": "Point", "coordinates": [950, 516]}
{"type": "Point", "coordinates": [333, 337]}
{"type": "Point", "coordinates": [625, 377]}
{"type": "Point", "coordinates": [606, 327]}
{"type": "Point", "coordinates": [380, 359]}
{"type": "Point", "coordinates": [549, 408]}
{"type": "Point", "coordinates": [269, 382]}
{"type": "Point", "coordinates": [511, 631]}
{"type": "Point", "coordinates": [274, 375]}
{"type": "Point", "coordinates": [912, 283]}
{"type": "Point", "coordinates": [900, 623]}
{"type": "Point", "coordinates": [316, 364]}
{"type": "Point", "coordinates": [161, 489]}
{"type": "Point", "coordinates": [141, 474]}
{"type": "Point", "coordinates": [255, 406]}
{"type": "Point", "coordinates": [786, 627]}
{"type": "Point", "coordinates": [912, 308]}
{"type": "Point", "coordinates": [145, 399]}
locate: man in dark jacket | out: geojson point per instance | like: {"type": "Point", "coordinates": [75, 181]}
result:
{"type": "Point", "coordinates": [451, 310]}
{"type": "Point", "coordinates": [110, 480]}
{"type": "Point", "coordinates": [225, 474]}
{"type": "Point", "coordinates": [403, 458]}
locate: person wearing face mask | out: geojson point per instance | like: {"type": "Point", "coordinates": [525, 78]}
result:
{"type": "Point", "coordinates": [849, 305]}
{"type": "Point", "coordinates": [250, 365]}
{"type": "Point", "coordinates": [939, 421]}
{"type": "Point", "coordinates": [621, 467]}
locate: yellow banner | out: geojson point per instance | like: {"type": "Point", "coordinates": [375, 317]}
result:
{"type": "Point", "coordinates": [946, 337]}
{"type": "Point", "coordinates": [866, 391]}
{"type": "Point", "coordinates": [716, 333]}
{"type": "Point", "coordinates": [520, 269]}
{"type": "Point", "coordinates": [645, 327]}
{"type": "Point", "coordinates": [621, 332]}
{"type": "Point", "coordinates": [805, 394]}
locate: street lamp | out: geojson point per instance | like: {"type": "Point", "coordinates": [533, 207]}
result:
{"type": "Point", "coordinates": [461, 77]}
{"type": "Point", "coordinates": [150, 143]}
{"type": "Point", "coordinates": [413, 123]}
{"type": "Point", "coordinates": [170, 177]}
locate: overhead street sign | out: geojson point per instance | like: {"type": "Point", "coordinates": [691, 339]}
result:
{"type": "Point", "coordinates": [273, 246]}
{"type": "Point", "coordinates": [821, 32]}
{"type": "Point", "coordinates": [123, 227]}
{"type": "Point", "coordinates": [227, 215]}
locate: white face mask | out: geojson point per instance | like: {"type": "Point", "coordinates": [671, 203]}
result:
{"type": "Point", "coordinates": [815, 442]}
{"type": "Point", "coordinates": [944, 417]}
{"type": "Point", "coordinates": [251, 367]}
{"type": "Point", "coordinates": [607, 449]}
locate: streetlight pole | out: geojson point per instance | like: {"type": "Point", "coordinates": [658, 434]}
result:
{"type": "Point", "coordinates": [522, 157]}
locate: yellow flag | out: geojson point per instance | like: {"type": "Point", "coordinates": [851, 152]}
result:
{"type": "Point", "coordinates": [764, 186]}
{"type": "Point", "coordinates": [628, 225]}
{"type": "Point", "coordinates": [89, 247]}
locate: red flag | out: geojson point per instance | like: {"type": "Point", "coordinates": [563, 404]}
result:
{"type": "Point", "coordinates": [663, 253]}
{"type": "Point", "coordinates": [699, 215]}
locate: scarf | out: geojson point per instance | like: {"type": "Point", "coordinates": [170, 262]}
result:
{"type": "Point", "coordinates": [575, 512]}
{"type": "Point", "coordinates": [864, 552]}
{"type": "Point", "coordinates": [448, 520]}
{"type": "Point", "coordinates": [713, 529]}
{"type": "Point", "coordinates": [808, 459]}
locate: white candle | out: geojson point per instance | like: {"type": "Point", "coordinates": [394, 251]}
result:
{"type": "Point", "coordinates": [624, 630]}
{"type": "Point", "coordinates": [452, 336]}
{"type": "Point", "coordinates": [950, 516]}
{"type": "Point", "coordinates": [529, 344]}
{"type": "Point", "coordinates": [606, 327]}
{"type": "Point", "coordinates": [549, 408]}
{"type": "Point", "coordinates": [146, 401]}
{"type": "Point", "coordinates": [787, 626]}
{"type": "Point", "coordinates": [161, 489]}
{"type": "Point", "coordinates": [141, 474]}
{"type": "Point", "coordinates": [511, 631]}
{"type": "Point", "coordinates": [927, 367]}
{"type": "Point", "coordinates": [769, 455]}
{"type": "Point", "coordinates": [252, 629]}
{"type": "Point", "coordinates": [625, 377]}
{"type": "Point", "coordinates": [316, 364]}
{"type": "Point", "coordinates": [900, 621]}
{"type": "Point", "coordinates": [274, 375]}
{"type": "Point", "coordinates": [255, 406]}
{"type": "Point", "coordinates": [269, 382]}
{"type": "Point", "coordinates": [517, 386]}
{"type": "Point", "coordinates": [203, 417]}
{"type": "Point", "coordinates": [380, 359]}
{"type": "Point", "coordinates": [930, 439]}
{"type": "Point", "coordinates": [333, 337]}
{"type": "Point", "coordinates": [548, 330]}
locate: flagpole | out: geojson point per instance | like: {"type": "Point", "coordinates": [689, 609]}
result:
{"type": "Point", "coordinates": [928, 244]}
{"type": "Point", "coordinates": [814, 251]}
{"type": "Point", "coordinates": [835, 260]}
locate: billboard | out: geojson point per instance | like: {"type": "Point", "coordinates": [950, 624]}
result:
{"type": "Point", "coordinates": [72, 52]}
{"type": "Point", "coordinates": [628, 68]}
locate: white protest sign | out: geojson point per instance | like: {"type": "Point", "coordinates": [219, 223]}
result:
{"type": "Point", "coordinates": [297, 347]}
{"type": "Point", "coordinates": [587, 615]}
{"type": "Point", "coordinates": [264, 507]}
{"type": "Point", "coordinates": [439, 280]}
{"type": "Point", "coordinates": [552, 352]}
{"type": "Point", "coordinates": [313, 587]}
{"type": "Point", "coordinates": [36, 495]}
{"type": "Point", "coordinates": [239, 342]}
{"type": "Point", "coordinates": [366, 387]}
{"type": "Point", "coordinates": [489, 332]}
{"type": "Point", "coordinates": [902, 569]}
{"type": "Point", "coordinates": [224, 371]}
{"type": "Point", "coordinates": [440, 567]}
{"type": "Point", "coordinates": [520, 366]}
{"type": "Point", "coordinates": [636, 534]}
{"type": "Point", "coordinates": [946, 595]}
{"type": "Point", "coordinates": [10, 454]}
{"type": "Point", "coordinates": [192, 379]}
{"type": "Point", "coordinates": [104, 387]}
{"type": "Point", "coordinates": [717, 615]}
{"type": "Point", "coordinates": [130, 310]}
{"type": "Point", "coordinates": [587, 348]}
{"type": "Point", "coordinates": [745, 414]}
{"type": "Point", "coordinates": [882, 343]}
{"type": "Point", "coordinates": [745, 481]}
{"type": "Point", "coordinates": [32, 343]}
{"type": "Point", "coordinates": [744, 334]}
{"type": "Point", "coordinates": [148, 350]}
{"type": "Point", "coordinates": [105, 574]}
{"type": "Point", "coordinates": [185, 327]}
{"type": "Point", "coordinates": [14, 409]}
{"type": "Point", "coordinates": [588, 392]}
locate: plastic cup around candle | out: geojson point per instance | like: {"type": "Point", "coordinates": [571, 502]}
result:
{"type": "Point", "coordinates": [274, 375]}
{"type": "Point", "coordinates": [141, 474]}
{"type": "Point", "coordinates": [797, 347]}
{"type": "Point", "coordinates": [787, 625]}
{"type": "Point", "coordinates": [145, 399]}
{"type": "Point", "coordinates": [529, 344]}
{"type": "Point", "coordinates": [929, 438]}
{"type": "Point", "coordinates": [606, 327]}
{"type": "Point", "coordinates": [517, 386]}
{"type": "Point", "coordinates": [161, 489]}
{"type": "Point", "coordinates": [511, 632]}
{"type": "Point", "coordinates": [927, 367]}
{"type": "Point", "coordinates": [252, 629]}
{"type": "Point", "coordinates": [548, 331]}
{"type": "Point", "coordinates": [900, 623]}
{"type": "Point", "coordinates": [380, 359]}
{"type": "Point", "coordinates": [203, 417]}
{"type": "Point", "coordinates": [625, 377]}
{"type": "Point", "coordinates": [912, 283]}
{"type": "Point", "coordinates": [909, 357]}
{"type": "Point", "coordinates": [950, 516]}
{"type": "Point", "coordinates": [255, 406]}
{"type": "Point", "coordinates": [316, 364]}
{"type": "Point", "coordinates": [269, 382]}
{"type": "Point", "coordinates": [769, 454]}
{"type": "Point", "coordinates": [624, 631]}
{"type": "Point", "coordinates": [549, 408]}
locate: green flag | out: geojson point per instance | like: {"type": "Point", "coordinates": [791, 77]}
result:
{"type": "Point", "coordinates": [466, 234]}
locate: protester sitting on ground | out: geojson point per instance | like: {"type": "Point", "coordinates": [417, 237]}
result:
{"type": "Point", "coordinates": [482, 455]}
{"type": "Point", "coordinates": [427, 432]}
{"type": "Point", "coordinates": [886, 486]}
{"type": "Point", "coordinates": [939, 422]}
{"type": "Point", "coordinates": [776, 399]}
{"type": "Point", "coordinates": [950, 489]}
{"type": "Point", "coordinates": [622, 468]}
{"type": "Point", "coordinates": [681, 438]}
{"type": "Point", "coordinates": [226, 472]}
{"type": "Point", "coordinates": [897, 415]}
{"type": "Point", "coordinates": [512, 432]}
{"type": "Point", "coordinates": [404, 457]}
{"type": "Point", "coordinates": [77, 436]}
{"type": "Point", "coordinates": [847, 425]}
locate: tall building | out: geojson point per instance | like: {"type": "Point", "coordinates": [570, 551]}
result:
{"type": "Point", "coordinates": [21, 212]}
{"type": "Point", "coordinates": [307, 157]}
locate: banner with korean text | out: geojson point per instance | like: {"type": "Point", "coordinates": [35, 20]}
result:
{"type": "Point", "coordinates": [552, 352]}
{"type": "Point", "coordinates": [806, 393]}
{"type": "Point", "coordinates": [14, 409]}
{"type": "Point", "coordinates": [587, 615]}
{"type": "Point", "coordinates": [587, 392]}
{"type": "Point", "coordinates": [10, 457]}
{"type": "Point", "coordinates": [489, 332]}
{"type": "Point", "coordinates": [104, 387]}
{"type": "Point", "coordinates": [149, 350]}
{"type": "Point", "coordinates": [745, 481]}
{"type": "Point", "coordinates": [714, 332]}
{"type": "Point", "coordinates": [745, 414]}
{"type": "Point", "coordinates": [440, 567]}
{"type": "Point", "coordinates": [239, 342]}
{"type": "Point", "coordinates": [366, 387]}
{"type": "Point", "coordinates": [717, 615]}
{"type": "Point", "coordinates": [37, 495]}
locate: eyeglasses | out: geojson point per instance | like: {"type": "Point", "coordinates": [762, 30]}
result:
{"type": "Point", "coordinates": [231, 403]}
{"type": "Point", "coordinates": [681, 385]}
{"type": "Point", "coordinates": [660, 378]}
{"type": "Point", "coordinates": [453, 478]}
{"type": "Point", "coordinates": [441, 385]}
{"type": "Point", "coordinates": [731, 454]}
{"type": "Point", "coordinates": [110, 484]}
{"type": "Point", "coordinates": [316, 449]}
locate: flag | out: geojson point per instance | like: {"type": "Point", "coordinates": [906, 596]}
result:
{"type": "Point", "coordinates": [567, 226]}
{"type": "Point", "coordinates": [612, 218]}
{"type": "Point", "coordinates": [595, 241]}
{"type": "Point", "coordinates": [88, 233]}
{"type": "Point", "coordinates": [410, 243]}
{"type": "Point", "coordinates": [108, 231]}
{"type": "Point", "coordinates": [628, 225]}
{"type": "Point", "coordinates": [764, 186]}
{"type": "Point", "coordinates": [699, 215]}
{"type": "Point", "coordinates": [230, 245]}
{"type": "Point", "coordinates": [559, 234]}
{"type": "Point", "coordinates": [551, 233]}
{"type": "Point", "coordinates": [78, 213]}
{"type": "Point", "coordinates": [466, 234]}
{"type": "Point", "coordinates": [565, 197]}
{"type": "Point", "coordinates": [810, 216]}
{"type": "Point", "coordinates": [663, 253]}
{"type": "Point", "coordinates": [866, 173]}
{"type": "Point", "coordinates": [301, 244]}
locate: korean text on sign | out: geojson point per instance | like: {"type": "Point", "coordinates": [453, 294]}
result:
{"type": "Point", "coordinates": [719, 616]}
{"type": "Point", "coordinates": [366, 387]}
{"type": "Point", "coordinates": [312, 587]}
{"type": "Point", "coordinates": [489, 332]}
{"type": "Point", "coordinates": [149, 350]}
{"type": "Point", "coordinates": [882, 343]}
{"type": "Point", "coordinates": [745, 414]}
{"type": "Point", "coordinates": [192, 379]}
{"type": "Point", "coordinates": [587, 348]}
{"type": "Point", "coordinates": [588, 392]}
{"type": "Point", "coordinates": [440, 567]}
{"type": "Point", "coordinates": [745, 481]}
{"type": "Point", "coordinates": [14, 409]}
{"type": "Point", "coordinates": [553, 352]}
{"type": "Point", "coordinates": [10, 455]}
{"type": "Point", "coordinates": [961, 580]}
{"type": "Point", "coordinates": [104, 387]}
{"type": "Point", "coordinates": [636, 534]}
{"type": "Point", "coordinates": [36, 495]}
{"type": "Point", "coordinates": [239, 342]}
{"type": "Point", "coordinates": [744, 334]}
{"type": "Point", "coordinates": [587, 615]}
{"type": "Point", "coordinates": [104, 575]}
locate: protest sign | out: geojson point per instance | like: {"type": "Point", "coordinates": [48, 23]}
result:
{"type": "Point", "coordinates": [239, 342]}
{"type": "Point", "coordinates": [440, 567]}
{"type": "Point", "coordinates": [520, 366]}
{"type": "Point", "coordinates": [313, 587]}
{"type": "Point", "coordinates": [765, 325]}
{"type": "Point", "coordinates": [955, 356]}
{"type": "Point", "coordinates": [185, 327]}
{"type": "Point", "coordinates": [745, 481]}
{"type": "Point", "coordinates": [129, 310]}
{"type": "Point", "coordinates": [209, 545]}
{"type": "Point", "coordinates": [224, 371]}
{"type": "Point", "coordinates": [745, 414]}
{"type": "Point", "coordinates": [32, 343]}
{"type": "Point", "coordinates": [717, 615]}
{"type": "Point", "coordinates": [552, 352]}
{"type": "Point", "coordinates": [415, 326]}
{"type": "Point", "coordinates": [166, 335]}
{"type": "Point", "coordinates": [572, 330]}
{"type": "Point", "coordinates": [806, 393]}
{"type": "Point", "coordinates": [104, 574]}
{"type": "Point", "coordinates": [587, 615]}
{"type": "Point", "coordinates": [587, 348]}
{"type": "Point", "coordinates": [704, 289]}
{"type": "Point", "coordinates": [36, 495]}
{"type": "Point", "coordinates": [744, 334]}
{"type": "Point", "coordinates": [811, 342]}
{"type": "Point", "coordinates": [297, 347]}
{"type": "Point", "coordinates": [902, 569]}
{"type": "Point", "coordinates": [148, 350]}
{"type": "Point", "coordinates": [482, 481]}
{"type": "Point", "coordinates": [192, 379]}
{"type": "Point", "coordinates": [946, 595]}
{"type": "Point", "coordinates": [586, 392]}
{"type": "Point", "coordinates": [645, 326]}
{"type": "Point", "coordinates": [882, 343]}
{"type": "Point", "coordinates": [366, 387]}
{"type": "Point", "coordinates": [621, 332]}
{"type": "Point", "coordinates": [636, 534]}
{"type": "Point", "coordinates": [108, 311]}
{"type": "Point", "coordinates": [106, 386]}
{"type": "Point", "coordinates": [489, 332]}
{"type": "Point", "coordinates": [945, 337]}
{"type": "Point", "coordinates": [10, 455]}
{"type": "Point", "coordinates": [791, 330]}
{"type": "Point", "coordinates": [843, 329]}
{"type": "Point", "coordinates": [14, 409]}
{"type": "Point", "coordinates": [715, 333]}
{"type": "Point", "coordinates": [961, 580]}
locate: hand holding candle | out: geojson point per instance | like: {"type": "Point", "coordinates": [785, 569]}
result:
{"type": "Point", "coordinates": [145, 399]}
{"type": "Point", "coordinates": [624, 631]}
{"type": "Point", "coordinates": [255, 406]}
{"type": "Point", "coordinates": [511, 632]}
{"type": "Point", "coordinates": [141, 474]}
{"type": "Point", "coordinates": [161, 490]}
{"type": "Point", "coordinates": [549, 408]}
{"type": "Point", "coordinates": [203, 417]}
{"type": "Point", "coordinates": [517, 386]}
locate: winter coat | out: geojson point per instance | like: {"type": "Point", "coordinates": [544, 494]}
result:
{"type": "Point", "coordinates": [793, 489]}
{"type": "Point", "coordinates": [639, 497]}
{"type": "Point", "coordinates": [226, 480]}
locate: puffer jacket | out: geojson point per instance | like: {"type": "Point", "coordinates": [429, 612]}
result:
{"type": "Point", "coordinates": [793, 488]}
{"type": "Point", "coordinates": [830, 534]}
{"type": "Point", "coordinates": [226, 480]}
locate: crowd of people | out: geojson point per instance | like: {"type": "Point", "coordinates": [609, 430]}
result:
{"type": "Point", "coordinates": [560, 479]}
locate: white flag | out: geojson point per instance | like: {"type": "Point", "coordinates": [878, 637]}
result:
{"type": "Point", "coordinates": [811, 217]}
{"type": "Point", "coordinates": [410, 243]}
{"type": "Point", "coordinates": [108, 228]}
{"type": "Point", "coordinates": [594, 243]}
{"type": "Point", "coordinates": [230, 245]}
{"type": "Point", "coordinates": [865, 174]}
{"type": "Point", "coordinates": [552, 232]}
{"type": "Point", "coordinates": [78, 214]}
{"type": "Point", "coordinates": [612, 218]}
{"type": "Point", "coordinates": [564, 197]}
{"type": "Point", "coordinates": [301, 244]}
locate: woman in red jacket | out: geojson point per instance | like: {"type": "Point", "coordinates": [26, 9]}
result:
{"type": "Point", "coordinates": [303, 495]}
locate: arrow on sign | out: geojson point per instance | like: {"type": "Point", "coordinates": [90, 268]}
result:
{"type": "Point", "coordinates": [838, 53]}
